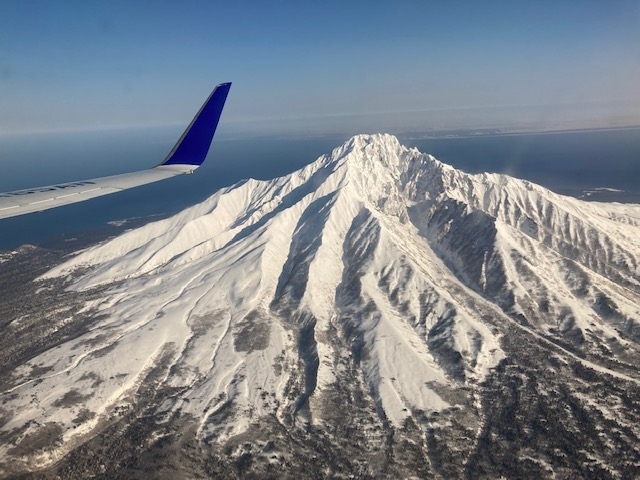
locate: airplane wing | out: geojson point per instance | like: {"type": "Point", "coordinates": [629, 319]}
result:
{"type": "Point", "coordinates": [187, 155]}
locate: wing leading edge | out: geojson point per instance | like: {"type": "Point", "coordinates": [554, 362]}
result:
{"type": "Point", "coordinates": [187, 155]}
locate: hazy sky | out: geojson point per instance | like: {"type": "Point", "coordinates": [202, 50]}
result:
{"type": "Point", "coordinates": [322, 65]}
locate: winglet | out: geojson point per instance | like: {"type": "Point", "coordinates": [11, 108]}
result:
{"type": "Point", "coordinates": [194, 143]}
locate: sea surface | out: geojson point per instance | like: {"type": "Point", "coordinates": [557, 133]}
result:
{"type": "Point", "coordinates": [575, 163]}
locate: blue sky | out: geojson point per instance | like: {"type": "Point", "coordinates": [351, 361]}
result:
{"type": "Point", "coordinates": [319, 67]}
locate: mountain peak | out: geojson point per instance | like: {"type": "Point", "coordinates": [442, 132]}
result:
{"type": "Point", "coordinates": [384, 173]}
{"type": "Point", "coordinates": [385, 140]}
{"type": "Point", "coordinates": [377, 151]}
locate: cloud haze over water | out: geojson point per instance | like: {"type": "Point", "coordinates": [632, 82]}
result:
{"type": "Point", "coordinates": [348, 66]}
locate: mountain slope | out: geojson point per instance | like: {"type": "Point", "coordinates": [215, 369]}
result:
{"type": "Point", "coordinates": [375, 313]}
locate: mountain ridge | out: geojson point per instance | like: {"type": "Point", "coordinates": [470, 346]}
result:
{"type": "Point", "coordinates": [376, 287]}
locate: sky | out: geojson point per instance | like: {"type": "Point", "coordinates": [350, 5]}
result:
{"type": "Point", "coordinates": [320, 67]}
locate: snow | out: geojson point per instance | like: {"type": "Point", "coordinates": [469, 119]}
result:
{"type": "Point", "coordinates": [373, 240]}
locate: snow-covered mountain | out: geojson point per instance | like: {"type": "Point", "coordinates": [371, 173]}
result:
{"type": "Point", "coordinates": [377, 313]}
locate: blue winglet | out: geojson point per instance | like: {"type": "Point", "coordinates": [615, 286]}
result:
{"type": "Point", "coordinates": [194, 143]}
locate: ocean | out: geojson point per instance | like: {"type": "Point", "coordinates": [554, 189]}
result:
{"type": "Point", "coordinates": [567, 162]}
